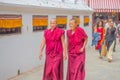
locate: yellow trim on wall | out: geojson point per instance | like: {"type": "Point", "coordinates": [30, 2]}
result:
{"type": "Point", "coordinates": [61, 20]}
{"type": "Point", "coordinates": [86, 19]}
{"type": "Point", "coordinates": [40, 21]}
{"type": "Point", "coordinates": [10, 21]}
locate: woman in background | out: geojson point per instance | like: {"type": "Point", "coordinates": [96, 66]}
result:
{"type": "Point", "coordinates": [100, 29]}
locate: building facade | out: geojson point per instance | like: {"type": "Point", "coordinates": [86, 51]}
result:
{"type": "Point", "coordinates": [104, 9]}
{"type": "Point", "coordinates": [22, 24]}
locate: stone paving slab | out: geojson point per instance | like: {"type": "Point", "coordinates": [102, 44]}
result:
{"type": "Point", "coordinates": [96, 69]}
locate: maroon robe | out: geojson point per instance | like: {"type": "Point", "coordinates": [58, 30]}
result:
{"type": "Point", "coordinates": [53, 69]}
{"type": "Point", "coordinates": [76, 59]}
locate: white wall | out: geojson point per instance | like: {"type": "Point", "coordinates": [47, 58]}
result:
{"type": "Point", "coordinates": [20, 51]}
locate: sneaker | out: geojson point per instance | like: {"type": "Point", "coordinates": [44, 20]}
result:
{"type": "Point", "coordinates": [100, 57]}
{"type": "Point", "coordinates": [109, 60]}
{"type": "Point", "coordinates": [113, 50]}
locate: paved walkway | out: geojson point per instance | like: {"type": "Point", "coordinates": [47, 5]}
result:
{"type": "Point", "coordinates": [96, 69]}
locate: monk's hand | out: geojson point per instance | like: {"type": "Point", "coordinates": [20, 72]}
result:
{"type": "Point", "coordinates": [82, 49]}
{"type": "Point", "coordinates": [40, 56]}
{"type": "Point", "coordinates": [64, 56]}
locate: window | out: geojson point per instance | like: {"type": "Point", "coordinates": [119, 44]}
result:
{"type": "Point", "coordinates": [78, 19]}
{"type": "Point", "coordinates": [10, 23]}
{"type": "Point", "coordinates": [61, 21]}
{"type": "Point", "coordinates": [86, 21]}
{"type": "Point", "coordinates": [40, 22]}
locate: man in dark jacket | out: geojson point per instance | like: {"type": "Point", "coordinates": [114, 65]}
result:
{"type": "Point", "coordinates": [109, 38]}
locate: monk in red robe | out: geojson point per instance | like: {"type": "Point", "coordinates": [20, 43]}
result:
{"type": "Point", "coordinates": [77, 40]}
{"type": "Point", "coordinates": [55, 51]}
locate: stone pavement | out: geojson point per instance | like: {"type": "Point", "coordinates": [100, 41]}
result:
{"type": "Point", "coordinates": [96, 69]}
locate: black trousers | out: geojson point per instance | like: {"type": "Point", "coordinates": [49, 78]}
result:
{"type": "Point", "coordinates": [108, 44]}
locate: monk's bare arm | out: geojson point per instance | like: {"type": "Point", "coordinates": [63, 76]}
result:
{"type": "Point", "coordinates": [84, 45]}
{"type": "Point", "coordinates": [42, 47]}
{"type": "Point", "coordinates": [85, 42]}
{"type": "Point", "coordinates": [64, 46]}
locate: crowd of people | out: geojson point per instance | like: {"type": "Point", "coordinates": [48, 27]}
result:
{"type": "Point", "coordinates": [105, 37]}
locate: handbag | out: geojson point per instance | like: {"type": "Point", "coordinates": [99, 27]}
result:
{"type": "Point", "coordinates": [104, 50]}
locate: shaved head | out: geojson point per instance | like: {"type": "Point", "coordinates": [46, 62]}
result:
{"type": "Point", "coordinates": [53, 23]}
{"type": "Point", "coordinates": [73, 24]}
{"type": "Point", "coordinates": [53, 20]}
{"type": "Point", "coordinates": [74, 20]}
